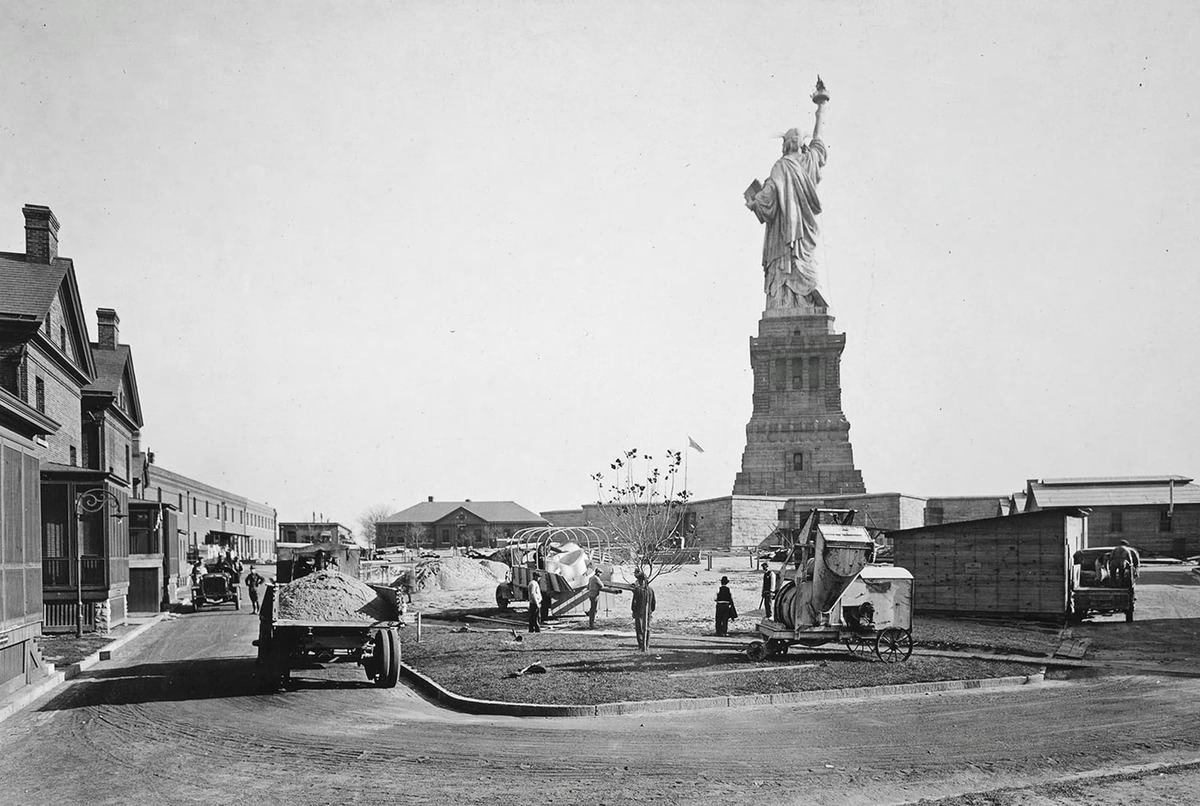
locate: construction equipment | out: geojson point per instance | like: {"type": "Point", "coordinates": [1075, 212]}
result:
{"type": "Point", "coordinates": [561, 559]}
{"type": "Point", "coordinates": [831, 592]}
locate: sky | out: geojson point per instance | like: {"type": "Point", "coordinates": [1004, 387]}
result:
{"type": "Point", "coordinates": [366, 253]}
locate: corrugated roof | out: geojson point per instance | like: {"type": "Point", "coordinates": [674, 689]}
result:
{"type": "Point", "coordinates": [492, 511]}
{"type": "Point", "coordinates": [28, 288]}
{"type": "Point", "coordinates": [1093, 480]}
{"type": "Point", "coordinates": [1008, 521]}
{"type": "Point", "coordinates": [1114, 493]}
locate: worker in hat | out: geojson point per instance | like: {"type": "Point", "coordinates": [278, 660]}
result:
{"type": "Point", "coordinates": [1123, 563]}
{"type": "Point", "coordinates": [768, 594]}
{"type": "Point", "coordinates": [534, 591]}
{"type": "Point", "coordinates": [725, 607]}
{"type": "Point", "coordinates": [642, 608]}
{"type": "Point", "coordinates": [594, 586]}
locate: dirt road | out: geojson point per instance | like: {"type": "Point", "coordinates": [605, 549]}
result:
{"type": "Point", "coordinates": [177, 717]}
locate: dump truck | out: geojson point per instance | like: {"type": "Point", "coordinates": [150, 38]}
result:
{"type": "Point", "coordinates": [1094, 590]}
{"type": "Point", "coordinates": [328, 617]}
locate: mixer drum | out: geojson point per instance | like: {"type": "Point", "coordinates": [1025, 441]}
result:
{"type": "Point", "coordinates": [785, 601]}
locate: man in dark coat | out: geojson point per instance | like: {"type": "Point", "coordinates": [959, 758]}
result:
{"type": "Point", "coordinates": [725, 607]}
{"type": "Point", "coordinates": [642, 607]}
{"type": "Point", "coordinates": [253, 580]}
{"type": "Point", "coordinates": [768, 594]}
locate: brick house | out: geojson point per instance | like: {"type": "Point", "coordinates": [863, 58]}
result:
{"type": "Point", "coordinates": [46, 361]}
{"type": "Point", "coordinates": [1158, 515]}
{"type": "Point", "coordinates": [20, 534]}
{"type": "Point", "coordinates": [451, 524]}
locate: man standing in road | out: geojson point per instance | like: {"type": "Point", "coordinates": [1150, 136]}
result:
{"type": "Point", "coordinates": [642, 607]}
{"type": "Point", "coordinates": [535, 605]}
{"type": "Point", "coordinates": [253, 580]}
{"type": "Point", "coordinates": [594, 586]}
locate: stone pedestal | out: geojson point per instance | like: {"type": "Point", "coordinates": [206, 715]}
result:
{"type": "Point", "coordinates": [798, 439]}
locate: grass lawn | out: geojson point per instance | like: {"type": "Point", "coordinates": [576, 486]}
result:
{"type": "Point", "coordinates": [63, 650]}
{"type": "Point", "coordinates": [586, 669]}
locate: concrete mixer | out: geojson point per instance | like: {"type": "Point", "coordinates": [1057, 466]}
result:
{"type": "Point", "coordinates": [831, 591]}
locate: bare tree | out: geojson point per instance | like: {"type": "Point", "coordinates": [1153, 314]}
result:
{"type": "Point", "coordinates": [643, 511]}
{"type": "Point", "coordinates": [369, 518]}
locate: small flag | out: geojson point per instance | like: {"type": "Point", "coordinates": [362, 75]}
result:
{"type": "Point", "coordinates": [692, 444]}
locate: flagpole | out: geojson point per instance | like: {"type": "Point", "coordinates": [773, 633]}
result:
{"type": "Point", "coordinates": [686, 450]}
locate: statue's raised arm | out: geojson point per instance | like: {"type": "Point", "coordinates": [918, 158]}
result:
{"type": "Point", "coordinates": [787, 204]}
{"type": "Point", "coordinates": [819, 97]}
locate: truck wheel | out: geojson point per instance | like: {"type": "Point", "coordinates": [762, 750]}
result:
{"type": "Point", "coordinates": [757, 651]}
{"type": "Point", "coordinates": [237, 602]}
{"type": "Point", "coordinates": [502, 597]}
{"type": "Point", "coordinates": [392, 676]}
{"type": "Point", "coordinates": [381, 656]}
{"type": "Point", "coordinates": [1129, 614]}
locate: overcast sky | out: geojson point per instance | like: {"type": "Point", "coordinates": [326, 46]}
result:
{"type": "Point", "coordinates": [370, 252]}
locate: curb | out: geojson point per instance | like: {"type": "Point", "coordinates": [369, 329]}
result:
{"type": "Point", "coordinates": [470, 705]}
{"type": "Point", "coordinates": [58, 677]}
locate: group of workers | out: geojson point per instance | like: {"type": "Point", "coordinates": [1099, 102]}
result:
{"type": "Point", "coordinates": [641, 607]}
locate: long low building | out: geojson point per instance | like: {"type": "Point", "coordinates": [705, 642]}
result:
{"type": "Point", "coordinates": [1159, 515]}
{"type": "Point", "coordinates": [209, 520]}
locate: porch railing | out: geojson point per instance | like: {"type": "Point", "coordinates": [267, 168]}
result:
{"type": "Point", "coordinates": [59, 572]}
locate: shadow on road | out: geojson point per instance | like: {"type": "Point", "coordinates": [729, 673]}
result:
{"type": "Point", "coordinates": [174, 681]}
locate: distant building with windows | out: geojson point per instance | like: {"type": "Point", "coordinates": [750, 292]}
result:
{"type": "Point", "coordinates": [1158, 515]}
{"type": "Point", "coordinates": [451, 524]}
{"type": "Point", "coordinates": [315, 532]}
{"type": "Point", "coordinates": [209, 520]}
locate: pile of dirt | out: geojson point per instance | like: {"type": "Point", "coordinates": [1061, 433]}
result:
{"type": "Point", "coordinates": [330, 596]}
{"type": "Point", "coordinates": [457, 573]}
{"type": "Point", "coordinates": [499, 571]}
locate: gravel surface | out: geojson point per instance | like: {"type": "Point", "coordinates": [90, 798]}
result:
{"type": "Point", "coordinates": [595, 669]}
{"type": "Point", "coordinates": [330, 596]}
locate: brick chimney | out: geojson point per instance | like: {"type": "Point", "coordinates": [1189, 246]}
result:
{"type": "Point", "coordinates": [431, 499]}
{"type": "Point", "coordinates": [107, 322]}
{"type": "Point", "coordinates": [41, 234]}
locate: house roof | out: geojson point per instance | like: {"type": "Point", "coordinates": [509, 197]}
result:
{"type": "Point", "coordinates": [111, 366]}
{"type": "Point", "coordinates": [491, 511]}
{"type": "Point", "coordinates": [1102, 492]}
{"type": "Point", "coordinates": [28, 288]}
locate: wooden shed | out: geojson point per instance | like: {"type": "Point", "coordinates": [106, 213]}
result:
{"type": "Point", "coordinates": [1015, 565]}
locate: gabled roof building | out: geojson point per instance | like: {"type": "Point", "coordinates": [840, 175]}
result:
{"type": "Point", "coordinates": [452, 524]}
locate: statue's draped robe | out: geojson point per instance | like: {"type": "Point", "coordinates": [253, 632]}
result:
{"type": "Point", "coordinates": [788, 205]}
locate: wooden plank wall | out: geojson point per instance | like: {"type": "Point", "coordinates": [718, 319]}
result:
{"type": "Point", "coordinates": [1016, 565]}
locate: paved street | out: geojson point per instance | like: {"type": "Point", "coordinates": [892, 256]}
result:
{"type": "Point", "coordinates": [177, 717]}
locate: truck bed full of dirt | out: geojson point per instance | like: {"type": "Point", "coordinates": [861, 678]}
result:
{"type": "Point", "coordinates": [330, 596]}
